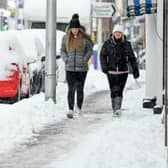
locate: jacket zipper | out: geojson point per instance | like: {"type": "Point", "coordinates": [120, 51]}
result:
{"type": "Point", "coordinates": [75, 60]}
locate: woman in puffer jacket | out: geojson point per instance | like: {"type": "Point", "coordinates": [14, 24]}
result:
{"type": "Point", "coordinates": [115, 55]}
{"type": "Point", "coordinates": [76, 50]}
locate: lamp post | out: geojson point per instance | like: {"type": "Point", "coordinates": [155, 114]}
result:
{"type": "Point", "coordinates": [165, 65]}
{"type": "Point", "coordinates": [99, 30]}
{"type": "Point", "coordinates": [50, 77]}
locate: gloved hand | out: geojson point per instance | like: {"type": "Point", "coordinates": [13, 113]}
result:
{"type": "Point", "coordinates": [136, 73]}
{"type": "Point", "coordinates": [105, 71]}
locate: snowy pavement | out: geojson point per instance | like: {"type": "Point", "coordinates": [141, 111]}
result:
{"type": "Point", "coordinates": [133, 141]}
{"type": "Point", "coordinates": [36, 134]}
{"type": "Point", "coordinates": [96, 140]}
{"type": "Point", "coordinates": [59, 138]}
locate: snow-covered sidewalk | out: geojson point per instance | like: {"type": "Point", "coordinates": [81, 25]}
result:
{"type": "Point", "coordinates": [135, 140]}
{"type": "Point", "coordinates": [19, 122]}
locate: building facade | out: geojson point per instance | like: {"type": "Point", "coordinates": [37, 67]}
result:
{"type": "Point", "coordinates": [3, 4]}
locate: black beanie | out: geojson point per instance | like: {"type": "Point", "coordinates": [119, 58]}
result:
{"type": "Point", "coordinates": [75, 16]}
{"type": "Point", "coordinates": [74, 23]}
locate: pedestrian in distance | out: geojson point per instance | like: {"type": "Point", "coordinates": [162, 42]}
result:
{"type": "Point", "coordinates": [116, 53]}
{"type": "Point", "coordinates": [76, 51]}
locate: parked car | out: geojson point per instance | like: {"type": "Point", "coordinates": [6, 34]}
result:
{"type": "Point", "coordinates": [32, 49]}
{"type": "Point", "coordinates": [37, 43]}
{"type": "Point", "coordinates": [14, 69]}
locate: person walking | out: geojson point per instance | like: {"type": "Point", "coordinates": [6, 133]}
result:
{"type": "Point", "coordinates": [116, 53]}
{"type": "Point", "coordinates": [76, 50]}
{"type": "Point", "coordinates": [82, 28]}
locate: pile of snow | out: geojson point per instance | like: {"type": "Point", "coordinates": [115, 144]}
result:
{"type": "Point", "coordinates": [21, 120]}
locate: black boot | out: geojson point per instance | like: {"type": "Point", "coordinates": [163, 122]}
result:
{"type": "Point", "coordinates": [116, 105]}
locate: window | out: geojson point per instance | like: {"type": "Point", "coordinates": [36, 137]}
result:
{"type": "Point", "coordinates": [42, 25]}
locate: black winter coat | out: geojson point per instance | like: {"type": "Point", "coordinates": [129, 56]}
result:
{"type": "Point", "coordinates": [116, 56]}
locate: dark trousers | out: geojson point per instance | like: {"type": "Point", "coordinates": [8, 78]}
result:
{"type": "Point", "coordinates": [117, 84]}
{"type": "Point", "coordinates": [76, 81]}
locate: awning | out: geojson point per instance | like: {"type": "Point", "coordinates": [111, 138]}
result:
{"type": "Point", "coordinates": [140, 7]}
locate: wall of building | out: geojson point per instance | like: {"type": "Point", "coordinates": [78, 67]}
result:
{"type": "Point", "coordinates": [154, 54]}
{"type": "Point", "coordinates": [107, 28]}
{"type": "Point", "coordinates": [3, 4]}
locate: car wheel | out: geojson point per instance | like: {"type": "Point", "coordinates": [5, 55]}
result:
{"type": "Point", "coordinates": [18, 96]}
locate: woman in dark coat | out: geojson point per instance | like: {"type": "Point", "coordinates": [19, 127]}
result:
{"type": "Point", "coordinates": [115, 55]}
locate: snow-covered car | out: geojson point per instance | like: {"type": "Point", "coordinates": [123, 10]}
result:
{"type": "Point", "coordinates": [38, 66]}
{"type": "Point", "coordinates": [14, 70]}
{"type": "Point", "coordinates": [33, 48]}
{"type": "Point", "coordinates": [32, 42]}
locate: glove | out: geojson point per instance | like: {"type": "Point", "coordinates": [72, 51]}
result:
{"type": "Point", "coordinates": [105, 71]}
{"type": "Point", "coordinates": [136, 73]}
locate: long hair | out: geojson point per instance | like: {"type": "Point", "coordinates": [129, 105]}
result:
{"type": "Point", "coordinates": [77, 43]}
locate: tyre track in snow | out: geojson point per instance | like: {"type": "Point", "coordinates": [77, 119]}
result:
{"type": "Point", "coordinates": [60, 138]}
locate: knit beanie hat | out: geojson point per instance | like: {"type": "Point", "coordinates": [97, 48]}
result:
{"type": "Point", "coordinates": [74, 22]}
{"type": "Point", "coordinates": [118, 28]}
{"type": "Point", "coordinates": [75, 16]}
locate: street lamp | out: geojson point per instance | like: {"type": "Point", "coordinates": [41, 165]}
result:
{"type": "Point", "coordinates": [50, 78]}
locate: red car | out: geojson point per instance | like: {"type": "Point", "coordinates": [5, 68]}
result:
{"type": "Point", "coordinates": [14, 69]}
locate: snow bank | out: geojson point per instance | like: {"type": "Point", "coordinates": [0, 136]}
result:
{"type": "Point", "coordinates": [21, 120]}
